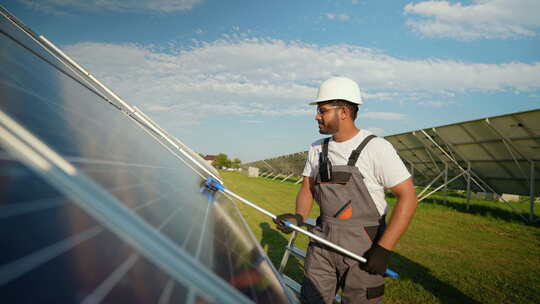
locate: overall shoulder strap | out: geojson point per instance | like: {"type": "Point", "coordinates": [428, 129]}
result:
{"type": "Point", "coordinates": [325, 167]}
{"type": "Point", "coordinates": [356, 152]}
{"type": "Point", "coordinates": [325, 146]}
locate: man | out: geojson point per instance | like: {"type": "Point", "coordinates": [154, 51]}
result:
{"type": "Point", "coordinates": [347, 174]}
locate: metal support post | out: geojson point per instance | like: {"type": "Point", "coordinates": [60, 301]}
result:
{"type": "Point", "coordinates": [532, 193]}
{"type": "Point", "coordinates": [445, 182]}
{"type": "Point", "coordinates": [429, 151]}
{"type": "Point", "coordinates": [431, 183]}
{"type": "Point", "coordinates": [286, 178]}
{"type": "Point", "coordinates": [468, 185]}
{"type": "Point", "coordinates": [268, 165]}
{"type": "Point", "coordinates": [474, 178]}
{"type": "Point", "coordinates": [439, 188]}
{"type": "Point", "coordinates": [410, 162]}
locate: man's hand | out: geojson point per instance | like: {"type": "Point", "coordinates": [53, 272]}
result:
{"type": "Point", "coordinates": [376, 259]}
{"type": "Point", "coordinates": [295, 219]}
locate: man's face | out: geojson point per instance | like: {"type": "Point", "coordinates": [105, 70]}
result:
{"type": "Point", "coordinates": [328, 119]}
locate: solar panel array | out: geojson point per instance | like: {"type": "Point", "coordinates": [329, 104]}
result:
{"type": "Point", "coordinates": [500, 151]}
{"type": "Point", "coordinates": [98, 206]}
{"type": "Point", "coordinates": [285, 164]}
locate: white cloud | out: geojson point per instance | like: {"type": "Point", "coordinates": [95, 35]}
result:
{"type": "Point", "coordinates": [44, 7]}
{"type": "Point", "coordinates": [377, 131]}
{"type": "Point", "coordinates": [251, 77]}
{"type": "Point", "coordinates": [59, 7]}
{"type": "Point", "coordinates": [483, 19]}
{"type": "Point", "coordinates": [157, 108]}
{"type": "Point", "coordinates": [333, 16]}
{"type": "Point", "coordinates": [382, 115]}
{"type": "Point", "coordinates": [435, 104]}
{"type": "Point", "coordinates": [330, 16]}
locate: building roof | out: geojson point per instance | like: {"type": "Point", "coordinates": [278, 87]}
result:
{"type": "Point", "coordinates": [209, 157]}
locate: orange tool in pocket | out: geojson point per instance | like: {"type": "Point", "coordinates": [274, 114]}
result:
{"type": "Point", "coordinates": [344, 212]}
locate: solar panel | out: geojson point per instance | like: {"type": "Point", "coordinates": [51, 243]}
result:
{"type": "Point", "coordinates": [99, 205]}
{"type": "Point", "coordinates": [501, 152]}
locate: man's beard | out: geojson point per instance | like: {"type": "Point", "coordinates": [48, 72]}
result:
{"type": "Point", "coordinates": [330, 128]}
{"type": "Point", "coordinates": [328, 131]}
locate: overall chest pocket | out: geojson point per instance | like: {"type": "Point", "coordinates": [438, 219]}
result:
{"type": "Point", "coordinates": [334, 196]}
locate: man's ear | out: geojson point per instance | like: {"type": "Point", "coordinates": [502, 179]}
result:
{"type": "Point", "coordinates": [344, 113]}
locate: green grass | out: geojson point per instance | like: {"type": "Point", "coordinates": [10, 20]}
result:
{"type": "Point", "coordinates": [486, 254]}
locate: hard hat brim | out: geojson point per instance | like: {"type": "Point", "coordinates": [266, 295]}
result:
{"type": "Point", "coordinates": [319, 101]}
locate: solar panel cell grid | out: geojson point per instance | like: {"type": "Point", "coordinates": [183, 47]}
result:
{"type": "Point", "coordinates": [58, 253]}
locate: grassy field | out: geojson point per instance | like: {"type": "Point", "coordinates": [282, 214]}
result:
{"type": "Point", "coordinates": [448, 255]}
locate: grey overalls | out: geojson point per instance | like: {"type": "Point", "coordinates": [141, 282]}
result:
{"type": "Point", "coordinates": [349, 218]}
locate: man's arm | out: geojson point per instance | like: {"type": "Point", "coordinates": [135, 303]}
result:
{"type": "Point", "coordinates": [304, 201]}
{"type": "Point", "coordinates": [401, 215]}
{"type": "Point", "coordinates": [304, 198]}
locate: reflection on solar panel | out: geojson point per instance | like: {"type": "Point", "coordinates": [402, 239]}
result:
{"type": "Point", "coordinates": [100, 205]}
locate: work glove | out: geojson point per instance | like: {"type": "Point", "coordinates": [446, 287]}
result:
{"type": "Point", "coordinates": [295, 219]}
{"type": "Point", "coordinates": [376, 259]}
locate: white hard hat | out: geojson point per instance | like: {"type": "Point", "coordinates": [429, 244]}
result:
{"type": "Point", "coordinates": [339, 88]}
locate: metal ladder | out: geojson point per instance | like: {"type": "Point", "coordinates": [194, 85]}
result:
{"type": "Point", "coordinates": [300, 254]}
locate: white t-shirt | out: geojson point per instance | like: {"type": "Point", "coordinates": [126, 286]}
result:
{"type": "Point", "coordinates": [379, 163]}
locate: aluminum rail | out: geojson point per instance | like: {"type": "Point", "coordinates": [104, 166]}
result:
{"type": "Point", "coordinates": [215, 185]}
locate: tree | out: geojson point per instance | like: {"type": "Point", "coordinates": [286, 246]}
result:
{"type": "Point", "coordinates": [236, 163]}
{"type": "Point", "coordinates": [221, 161]}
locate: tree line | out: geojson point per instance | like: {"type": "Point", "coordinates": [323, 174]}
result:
{"type": "Point", "coordinates": [222, 160]}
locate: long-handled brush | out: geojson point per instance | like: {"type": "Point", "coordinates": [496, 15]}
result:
{"type": "Point", "coordinates": [215, 185]}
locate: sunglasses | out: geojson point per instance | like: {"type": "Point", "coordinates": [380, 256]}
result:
{"type": "Point", "coordinates": [324, 110]}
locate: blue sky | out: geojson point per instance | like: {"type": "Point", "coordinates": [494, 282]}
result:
{"type": "Point", "coordinates": [236, 76]}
